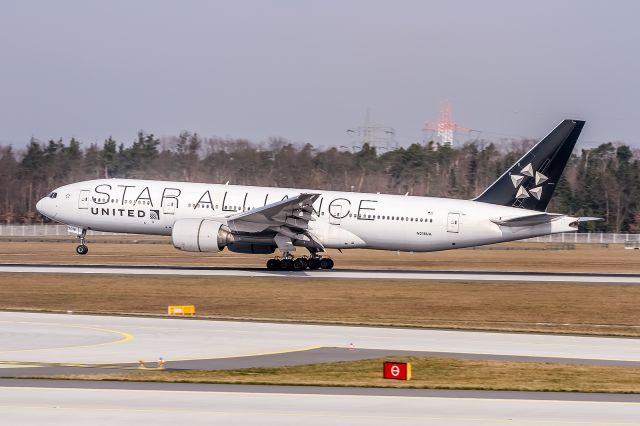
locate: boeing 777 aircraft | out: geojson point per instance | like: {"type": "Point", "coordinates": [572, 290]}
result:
{"type": "Point", "coordinates": [204, 217]}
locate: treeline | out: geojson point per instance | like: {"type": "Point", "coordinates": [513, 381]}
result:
{"type": "Point", "coordinates": [603, 181]}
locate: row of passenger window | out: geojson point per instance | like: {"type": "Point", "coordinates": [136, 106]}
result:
{"type": "Point", "coordinates": [398, 218]}
{"type": "Point", "coordinates": [369, 216]}
{"type": "Point", "coordinates": [208, 206]}
{"type": "Point", "coordinates": [115, 201]}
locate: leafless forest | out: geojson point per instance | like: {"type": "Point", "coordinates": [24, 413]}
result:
{"type": "Point", "coordinates": [603, 181]}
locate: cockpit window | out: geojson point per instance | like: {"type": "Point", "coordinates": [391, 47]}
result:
{"type": "Point", "coordinates": [53, 195]}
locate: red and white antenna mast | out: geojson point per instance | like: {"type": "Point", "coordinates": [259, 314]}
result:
{"type": "Point", "coordinates": [445, 126]}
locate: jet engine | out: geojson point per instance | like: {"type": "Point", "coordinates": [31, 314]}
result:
{"type": "Point", "coordinates": [200, 235]}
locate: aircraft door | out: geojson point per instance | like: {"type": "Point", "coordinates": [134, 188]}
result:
{"type": "Point", "coordinates": [83, 201]}
{"type": "Point", "coordinates": [453, 222]}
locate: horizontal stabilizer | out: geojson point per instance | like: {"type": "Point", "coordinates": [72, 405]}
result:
{"type": "Point", "coordinates": [530, 220]}
{"type": "Point", "coordinates": [589, 219]}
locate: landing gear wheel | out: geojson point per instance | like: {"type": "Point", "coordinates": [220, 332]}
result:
{"type": "Point", "coordinates": [299, 264]}
{"type": "Point", "coordinates": [314, 263]}
{"type": "Point", "coordinates": [286, 264]}
{"type": "Point", "coordinates": [82, 248]}
{"type": "Point", "coordinates": [326, 263]}
{"type": "Point", "coordinates": [273, 264]}
{"type": "Point", "coordinates": [305, 262]}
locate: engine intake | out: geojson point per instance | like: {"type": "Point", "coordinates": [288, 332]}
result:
{"type": "Point", "coordinates": [200, 235]}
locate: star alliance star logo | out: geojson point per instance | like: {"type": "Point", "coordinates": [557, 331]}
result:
{"type": "Point", "coordinates": [523, 193]}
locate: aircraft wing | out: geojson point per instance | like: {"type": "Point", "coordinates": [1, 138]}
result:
{"type": "Point", "coordinates": [289, 217]}
{"type": "Point", "coordinates": [530, 220]}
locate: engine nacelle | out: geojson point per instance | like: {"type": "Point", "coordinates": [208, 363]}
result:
{"type": "Point", "coordinates": [200, 235]}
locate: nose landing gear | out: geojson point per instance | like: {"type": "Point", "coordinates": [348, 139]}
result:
{"type": "Point", "coordinates": [82, 248]}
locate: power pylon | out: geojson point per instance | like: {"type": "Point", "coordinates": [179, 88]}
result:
{"type": "Point", "coordinates": [382, 138]}
{"type": "Point", "coordinates": [445, 128]}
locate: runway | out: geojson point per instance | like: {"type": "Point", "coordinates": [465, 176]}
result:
{"type": "Point", "coordinates": [193, 343]}
{"type": "Point", "coordinates": [207, 404]}
{"type": "Point", "coordinates": [334, 274]}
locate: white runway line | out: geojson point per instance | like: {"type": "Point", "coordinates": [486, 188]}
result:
{"type": "Point", "coordinates": [70, 407]}
{"type": "Point", "coordinates": [348, 274]}
{"type": "Point", "coordinates": [87, 339]}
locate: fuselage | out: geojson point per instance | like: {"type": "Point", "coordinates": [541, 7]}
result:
{"type": "Point", "coordinates": [342, 219]}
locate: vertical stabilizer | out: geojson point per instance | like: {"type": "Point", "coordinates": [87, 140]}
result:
{"type": "Point", "coordinates": [530, 182]}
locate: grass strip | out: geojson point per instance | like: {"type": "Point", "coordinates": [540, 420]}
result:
{"type": "Point", "coordinates": [518, 257]}
{"type": "Point", "coordinates": [428, 373]}
{"type": "Point", "coordinates": [505, 306]}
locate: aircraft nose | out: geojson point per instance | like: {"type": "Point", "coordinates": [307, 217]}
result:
{"type": "Point", "coordinates": [40, 205]}
{"type": "Point", "coordinates": [44, 208]}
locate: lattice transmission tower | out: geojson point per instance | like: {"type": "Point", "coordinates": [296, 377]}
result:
{"type": "Point", "coordinates": [445, 128]}
{"type": "Point", "coordinates": [381, 137]}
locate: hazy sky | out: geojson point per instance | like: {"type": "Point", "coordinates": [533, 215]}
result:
{"type": "Point", "coordinates": [307, 71]}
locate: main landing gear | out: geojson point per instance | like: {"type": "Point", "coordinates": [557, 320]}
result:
{"type": "Point", "coordinates": [288, 263]}
{"type": "Point", "coordinates": [82, 248]}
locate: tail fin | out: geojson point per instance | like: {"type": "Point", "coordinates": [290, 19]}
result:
{"type": "Point", "coordinates": [530, 182]}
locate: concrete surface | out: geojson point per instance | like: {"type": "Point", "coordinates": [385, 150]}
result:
{"type": "Point", "coordinates": [78, 406]}
{"type": "Point", "coordinates": [93, 339]}
{"type": "Point", "coordinates": [336, 273]}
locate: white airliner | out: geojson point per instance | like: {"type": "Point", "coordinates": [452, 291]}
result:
{"type": "Point", "coordinates": [204, 217]}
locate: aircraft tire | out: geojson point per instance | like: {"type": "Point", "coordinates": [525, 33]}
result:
{"type": "Point", "coordinates": [286, 264]}
{"type": "Point", "coordinates": [305, 262]}
{"type": "Point", "coordinates": [82, 249]}
{"type": "Point", "coordinates": [326, 263]}
{"type": "Point", "coordinates": [299, 264]}
{"type": "Point", "coordinates": [273, 264]}
{"type": "Point", "coordinates": [314, 263]}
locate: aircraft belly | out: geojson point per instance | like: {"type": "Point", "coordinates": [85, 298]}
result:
{"type": "Point", "coordinates": [125, 227]}
{"type": "Point", "coordinates": [401, 237]}
{"type": "Point", "coordinates": [338, 237]}
{"type": "Point", "coordinates": [103, 223]}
